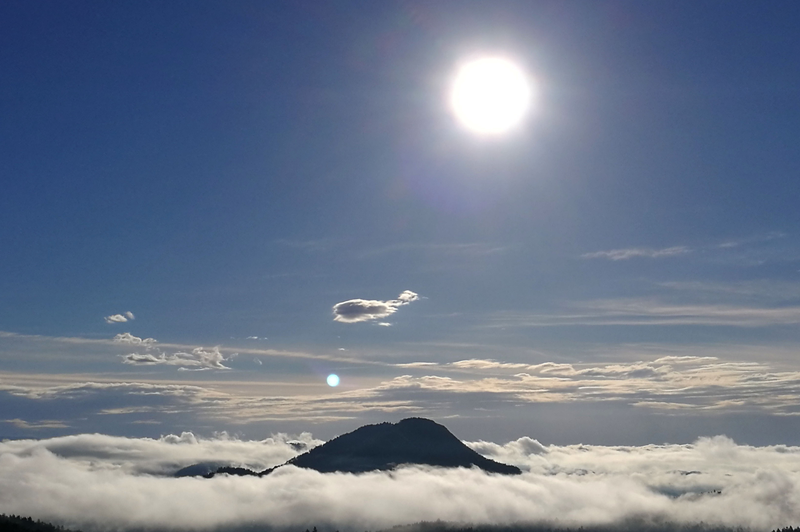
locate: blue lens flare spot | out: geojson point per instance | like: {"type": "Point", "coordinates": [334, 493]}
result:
{"type": "Point", "coordinates": [333, 380]}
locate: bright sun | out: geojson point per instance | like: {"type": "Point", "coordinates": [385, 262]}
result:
{"type": "Point", "coordinates": [490, 95]}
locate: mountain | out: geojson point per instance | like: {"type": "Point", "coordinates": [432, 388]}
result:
{"type": "Point", "coordinates": [385, 446]}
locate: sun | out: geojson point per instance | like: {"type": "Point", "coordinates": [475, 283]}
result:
{"type": "Point", "coordinates": [333, 380]}
{"type": "Point", "coordinates": [490, 95]}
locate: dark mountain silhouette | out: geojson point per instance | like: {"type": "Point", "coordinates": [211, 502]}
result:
{"type": "Point", "coordinates": [385, 446]}
{"type": "Point", "coordinates": [201, 469]}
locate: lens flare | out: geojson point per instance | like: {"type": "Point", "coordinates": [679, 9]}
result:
{"type": "Point", "coordinates": [333, 380]}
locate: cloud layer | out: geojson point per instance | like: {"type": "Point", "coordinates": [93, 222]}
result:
{"type": "Point", "coordinates": [102, 482]}
{"type": "Point", "coordinates": [357, 310]}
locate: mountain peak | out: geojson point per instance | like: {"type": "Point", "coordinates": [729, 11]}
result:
{"type": "Point", "coordinates": [385, 446]}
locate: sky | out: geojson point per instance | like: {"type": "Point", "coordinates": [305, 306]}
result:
{"type": "Point", "coordinates": [206, 208]}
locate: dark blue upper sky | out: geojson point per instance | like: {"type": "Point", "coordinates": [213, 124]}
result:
{"type": "Point", "coordinates": [235, 169]}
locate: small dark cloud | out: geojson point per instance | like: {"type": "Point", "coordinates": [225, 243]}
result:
{"type": "Point", "coordinates": [357, 310]}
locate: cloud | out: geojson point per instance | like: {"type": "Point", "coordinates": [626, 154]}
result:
{"type": "Point", "coordinates": [33, 425]}
{"type": "Point", "coordinates": [199, 359]}
{"type": "Point", "coordinates": [358, 310]}
{"type": "Point", "coordinates": [690, 383]}
{"type": "Point", "coordinates": [169, 453]}
{"type": "Point", "coordinates": [633, 311]}
{"type": "Point", "coordinates": [713, 481]}
{"type": "Point", "coordinates": [128, 338]}
{"type": "Point", "coordinates": [630, 253]}
{"type": "Point", "coordinates": [696, 385]}
{"type": "Point", "coordinates": [120, 318]}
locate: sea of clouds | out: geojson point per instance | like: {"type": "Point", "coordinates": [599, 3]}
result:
{"type": "Point", "coordinates": [95, 482]}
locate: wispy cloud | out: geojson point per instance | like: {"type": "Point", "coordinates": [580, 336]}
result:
{"type": "Point", "coordinates": [35, 425]}
{"type": "Point", "coordinates": [128, 338]}
{"type": "Point", "coordinates": [120, 318]}
{"type": "Point", "coordinates": [631, 253]}
{"type": "Point", "coordinates": [651, 312]}
{"type": "Point", "coordinates": [751, 250]}
{"type": "Point", "coordinates": [128, 341]}
{"type": "Point", "coordinates": [765, 291]}
{"type": "Point", "coordinates": [667, 383]}
{"type": "Point", "coordinates": [198, 359]}
{"type": "Point", "coordinates": [358, 310]}
{"type": "Point", "coordinates": [757, 239]}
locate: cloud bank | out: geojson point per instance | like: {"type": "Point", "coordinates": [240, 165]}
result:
{"type": "Point", "coordinates": [99, 482]}
{"type": "Point", "coordinates": [358, 310]}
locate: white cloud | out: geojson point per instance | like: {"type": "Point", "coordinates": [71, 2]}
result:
{"type": "Point", "coordinates": [128, 338]}
{"type": "Point", "coordinates": [103, 482]}
{"type": "Point", "coordinates": [630, 253]}
{"type": "Point", "coordinates": [358, 310]}
{"type": "Point", "coordinates": [120, 318]}
{"type": "Point", "coordinates": [199, 359]}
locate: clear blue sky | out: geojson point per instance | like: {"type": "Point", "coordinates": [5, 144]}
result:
{"type": "Point", "coordinates": [623, 268]}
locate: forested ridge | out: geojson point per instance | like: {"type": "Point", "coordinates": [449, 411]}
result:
{"type": "Point", "coordinates": [16, 523]}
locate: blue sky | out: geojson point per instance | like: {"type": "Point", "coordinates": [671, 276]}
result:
{"type": "Point", "coordinates": [624, 268]}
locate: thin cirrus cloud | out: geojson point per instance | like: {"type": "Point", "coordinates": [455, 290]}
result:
{"type": "Point", "coordinates": [652, 312]}
{"type": "Point", "coordinates": [120, 318]}
{"type": "Point", "coordinates": [358, 310]}
{"type": "Point", "coordinates": [631, 253]}
{"type": "Point", "coordinates": [712, 481]}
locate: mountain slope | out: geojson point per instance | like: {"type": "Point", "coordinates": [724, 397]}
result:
{"type": "Point", "coordinates": [387, 445]}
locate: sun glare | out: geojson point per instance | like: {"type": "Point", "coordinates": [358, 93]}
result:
{"type": "Point", "coordinates": [333, 380]}
{"type": "Point", "coordinates": [490, 95]}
